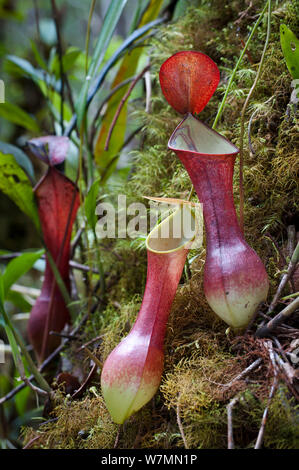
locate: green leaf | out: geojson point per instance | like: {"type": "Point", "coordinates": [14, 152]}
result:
{"type": "Point", "coordinates": [37, 56]}
{"type": "Point", "coordinates": [5, 322]}
{"type": "Point", "coordinates": [290, 48]}
{"type": "Point", "coordinates": [22, 66]}
{"type": "Point", "coordinates": [68, 61]}
{"type": "Point", "coordinates": [107, 159]}
{"type": "Point", "coordinates": [13, 113]}
{"type": "Point", "coordinates": [19, 301]}
{"type": "Point", "coordinates": [90, 204]}
{"type": "Point", "coordinates": [109, 24]}
{"type": "Point", "coordinates": [22, 159]}
{"type": "Point", "coordinates": [54, 102]}
{"type": "Point", "coordinates": [18, 267]}
{"type": "Point", "coordinates": [15, 184]}
{"type": "Point", "coordinates": [21, 401]}
{"type": "Point", "coordinates": [16, 339]}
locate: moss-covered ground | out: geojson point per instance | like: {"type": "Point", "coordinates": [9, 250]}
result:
{"type": "Point", "coordinates": [200, 355]}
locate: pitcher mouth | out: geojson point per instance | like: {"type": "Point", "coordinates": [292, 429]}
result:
{"type": "Point", "coordinates": [170, 235]}
{"type": "Point", "coordinates": [192, 135]}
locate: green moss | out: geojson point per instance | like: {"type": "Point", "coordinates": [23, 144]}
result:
{"type": "Point", "coordinates": [79, 425]}
{"type": "Point", "coordinates": [199, 356]}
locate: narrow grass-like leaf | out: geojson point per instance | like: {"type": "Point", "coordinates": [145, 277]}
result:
{"type": "Point", "coordinates": [109, 64]}
{"type": "Point", "coordinates": [16, 342]}
{"type": "Point", "coordinates": [68, 61]}
{"type": "Point", "coordinates": [19, 301]}
{"type": "Point", "coordinates": [38, 56]}
{"type": "Point", "coordinates": [15, 184]}
{"type": "Point", "coordinates": [10, 336]}
{"type": "Point", "coordinates": [113, 14]}
{"type": "Point", "coordinates": [22, 66]}
{"type": "Point", "coordinates": [127, 69]}
{"type": "Point", "coordinates": [55, 102]}
{"type": "Point", "coordinates": [13, 113]}
{"type": "Point", "coordinates": [90, 204]}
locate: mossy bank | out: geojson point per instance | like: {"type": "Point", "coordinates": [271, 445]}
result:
{"type": "Point", "coordinates": [200, 355]}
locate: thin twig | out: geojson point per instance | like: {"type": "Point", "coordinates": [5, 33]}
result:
{"type": "Point", "coordinates": [83, 386]}
{"type": "Point", "coordinates": [93, 340]}
{"type": "Point", "coordinates": [117, 437]}
{"type": "Point", "coordinates": [260, 436]}
{"type": "Point", "coordinates": [82, 267]}
{"type": "Point", "coordinates": [36, 14]}
{"type": "Point", "coordinates": [121, 104]}
{"type": "Point", "coordinates": [24, 290]}
{"type": "Point", "coordinates": [243, 14]}
{"type": "Point", "coordinates": [76, 240]}
{"type": "Point", "coordinates": [239, 376]}
{"type": "Point", "coordinates": [267, 329]}
{"type": "Point", "coordinates": [103, 103]}
{"type": "Point", "coordinates": [73, 264]}
{"type": "Point", "coordinates": [245, 372]}
{"type": "Point", "coordinates": [64, 335]}
{"type": "Point", "coordinates": [291, 239]}
{"type": "Point", "coordinates": [34, 388]}
{"type": "Point", "coordinates": [93, 357]}
{"type": "Point", "coordinates": [29, 443]}
{"type": "Point", "coordinates": [290, 270]}
{"type": "Point", "coordinates": [179, 421]}
{"type": "Point", "coordinates": [230, 434]}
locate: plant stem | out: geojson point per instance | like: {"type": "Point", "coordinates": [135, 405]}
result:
{"type": "Point", "coordinates": [222, 104]}
{"type": "Point", "coordinates": [60, 56]}
{"type": "Point", "coordinates": [280, 318]}
{"type": "Point", "coordinates": [121, 104]}
{"type": "Point", "coordinates": [93, 2]}
{"type": "Point", "coordinates": [258, 74]}
{"type": "Point", "coordinates": [220, 109]}
{"type": "Point", "coordinates": [16, 340]}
